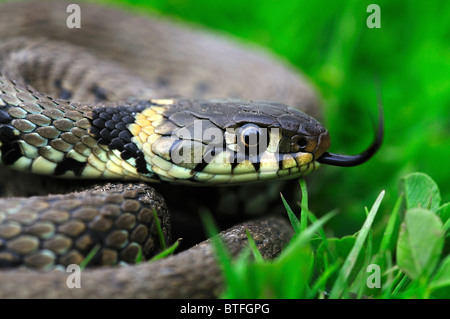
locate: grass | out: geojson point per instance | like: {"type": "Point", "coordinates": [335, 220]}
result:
{"type": "Point", "coordinates": [412, 260]}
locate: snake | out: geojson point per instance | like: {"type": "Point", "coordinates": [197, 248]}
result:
{"type": "Point", "coordinates": [122, 104]}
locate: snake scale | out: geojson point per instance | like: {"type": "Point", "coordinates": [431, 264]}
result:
{"type": "Point", "coordinates": [136, 100]}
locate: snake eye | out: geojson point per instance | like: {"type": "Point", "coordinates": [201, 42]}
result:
{"type": "Point", "coordinates": [250, 135]}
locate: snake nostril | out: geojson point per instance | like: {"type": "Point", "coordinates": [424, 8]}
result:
{"type": "Point", "coordinates": [302, 142]}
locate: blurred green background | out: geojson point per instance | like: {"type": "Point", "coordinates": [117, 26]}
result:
{"type": "Point", "coordinates": [331, 43]}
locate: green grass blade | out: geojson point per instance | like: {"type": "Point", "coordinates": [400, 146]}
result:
{"type": "Point", "coordinates": [321, 231]}
{"type": "Point", "coordinates": [304, 205]}
{"type": "Point", "coordinates": [89, 256]}
{"type": "Point", "coordinates": [367, 259]}
{"type": "Point", "coordinates": [401, 285]}
{"type": "Point", "coordinates": [159, 230]}
{"type": "Point", "coordinates": [447, 227]}
{"type": "Point", "coordinates": [344, 273]}
{"type": "Point", "coordinates": [320, 283]}
{"type": "Point", "coordinates": [390, 274]}
{"type": "Point", "coordinates": [139, 257]}
{"type": "Point", "coordinates": [291, 215]}
{"type": "Point", "coordinates": [387, 242]}
{"type": "Point", "coordinates": [304, 237]}
{"type": "Point", "coordinates": [166, 252]}
{"type": "Point", "coordinates": [255, 251]}
{"type": "Point", "coordinates": [223, 257]}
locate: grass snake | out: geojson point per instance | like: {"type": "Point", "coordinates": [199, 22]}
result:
{"type": "Point", "coordinates": [133, 100]}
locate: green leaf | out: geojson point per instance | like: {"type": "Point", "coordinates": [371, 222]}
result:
{"type": "Point", "coordinates": [440, 284]}
{"type": "Point", "coordinates": [338, 248]}
{"type": "Point", "coordinates": [420, 242]}
{"type": "Point", "coordinates": [420, 191]}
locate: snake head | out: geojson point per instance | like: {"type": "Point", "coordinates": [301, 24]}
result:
{"type": "Point", "coordinates": [232, 141]}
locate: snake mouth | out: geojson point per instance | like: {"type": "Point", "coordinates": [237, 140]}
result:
{"type": "Point", "coordinates": [222, 166]}
{"type": "Point", "coordinates": [225, 168]}
{"type": "Point", "coordinates": [233, 164]}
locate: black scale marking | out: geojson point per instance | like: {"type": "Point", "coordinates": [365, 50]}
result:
{"type": "Point", "coordinates": [11, 151]}
{"type": "Point", "coordinates": [69, 164]}
{"type": "Point", "coordinates": [10, 147]}
{"type": "Point", "coordinates": [109, 126]}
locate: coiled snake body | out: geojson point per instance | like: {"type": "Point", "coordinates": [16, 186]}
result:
{"type": "Point", "coordinates": [132, 98]}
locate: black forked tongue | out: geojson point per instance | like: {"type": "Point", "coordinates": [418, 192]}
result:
{"type": "Point", "coordinates": [353, 160]}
